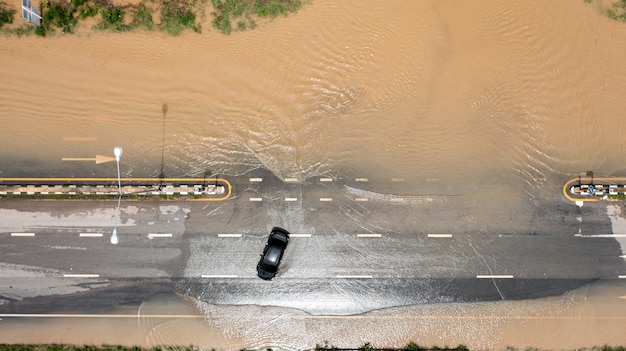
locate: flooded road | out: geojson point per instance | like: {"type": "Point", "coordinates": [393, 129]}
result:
{"type": "Point", "coordinates": [454, 95]}
{"type": "Point", "coordinates": [590, 316]}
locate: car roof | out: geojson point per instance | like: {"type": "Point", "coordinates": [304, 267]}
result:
{"type": "Point", "coordinates": [273, 255]}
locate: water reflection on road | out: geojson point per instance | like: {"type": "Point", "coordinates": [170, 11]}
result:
{"type": "Point", "coordinates": [592, 315]}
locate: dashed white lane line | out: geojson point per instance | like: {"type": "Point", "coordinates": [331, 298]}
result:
{"type": "Point", "coordinates": [494, 276]}
{"type": "Point", "coordinates": [219, 276]}
{"type": "Point", "coordinates": [342, 276]}
{"type": "Point", "coordinates": [22, 234]}
{"type": "Point", "coordinates": [361, 199]}
{"type": "Point", "coordinates": [326, 179]}
{"type": "Point", "coordinates": [81, 275]}
{"type": "Point", "coordinates": [291, 180]}
{"type": "Point", "coordinates": [159, 235]}
{"type": "Point", "coordinates": [299, 235]}
{"type": "Point", "coordinates": [360, 179]}
{"type": "Point", "coordinates": [291, 199]}
{"type": "Point", "coordinates": [229, 235]}
{"type": "Point", "coordinates": [439, 235]}
{"type": "Point", "coordinates": [256, 180]}
{"type": "Point", "coordinates": [621, 276]}
{"type": "Point", "coordinates": [257, 199]}
{"type": "Point", "coordinates": [370, 235]}
{"type": "Point", "coordinates": [326, 199]}
{"type": "Point", "coordinates": [397, 179]}
{"type": "Point", "coordinates": [90, 235]}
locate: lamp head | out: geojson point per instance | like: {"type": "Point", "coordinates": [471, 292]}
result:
{"type": "Point", "coordinates": [117, 151]}
{"type": "Point", "coordinates": [114, 239]}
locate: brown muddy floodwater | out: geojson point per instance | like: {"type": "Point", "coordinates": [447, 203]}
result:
{"type": "Point", "coordinates": [515, 92]}
{"type": "Point", "coordinates": [395, 89]}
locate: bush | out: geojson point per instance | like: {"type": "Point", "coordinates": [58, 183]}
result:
{"type": "Point", "coordinates": [6, 14]}
{"type": "Point", "coordinates": [58, 15]}
{"type": "Point", "coordinates": [175, 17]}
{"type": "Point", "coordinates": [142, 17]}
{"type": "Point", "coordinates": [273, 8]}
{"type": "Point", "coordinates": [113, 18]}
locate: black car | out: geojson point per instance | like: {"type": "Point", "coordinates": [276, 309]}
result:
{"type": "Point", "coordinates": [273, 253]}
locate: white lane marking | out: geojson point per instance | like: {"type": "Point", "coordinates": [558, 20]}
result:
{"type": "Point", "coordinates": [22, 234]}
{"type": "Point", "coordinates": [229, 235]}
{"type": "Point", "coordinates": [361, 199]}
{"type": "Point", "coordinates": [257, 199]}
{"type": "Point", "coordinates": [299, 235]}
{"type": "Point", "coordinates": [81, 275]}
{"type": "Point", "coordinates": [253, 180]}
{"type": "Point", "coordinates": [342, 276]}
{"type": "Point", "coordinates": [219, 276]}
{"type": "Point", "coordinates": [370, 235]}
{"type": "Point", "coordinates": [397, 179]}
{"type": "Point", "coordinates": [326, 199]}
{"type": "Point", "coordinates": [601, 235]}
{"type": "Point", "coordinates": [439, 235]}
{"type": "Point", "coordinates": [90, 235]}
{"type": "Point", "coordinates": [494, 276]}
{"type": "Point", "coordinates": [621, 276]}
{"type": "Point", "coordinates": [291, 199]}
{"type": "Point", "coordinates": [291, 179]}
{"type": "Point", "coordinates": [326, 179]}
{"type": "Point", "coordinates": [159, 235]}
{"type": "Point", "coordinates": [360, 179]}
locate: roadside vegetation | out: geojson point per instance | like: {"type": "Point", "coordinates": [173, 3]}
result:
{"type": "Point", "coordinates": [170, 16]}
{"type": "Point", "coordinates": [6, 14]}
{"type": "Point", "coordinates": [615, 9]}
{"type": "Point", "coordinates": [366, 347]}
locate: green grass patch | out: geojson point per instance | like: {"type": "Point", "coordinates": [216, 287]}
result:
{"type": "Point", "coordinates": [178, 15]}
{"type": "Point", "coordinates": [142, 17]}
{"type": "Point", "coordinates": [243, 11]}
{"type": "Point", "coordinates": [615, 10]}
{"type": "Point", "coordinates": [6, 14]}
{"type": "Point", "coordinates": [112, 19]}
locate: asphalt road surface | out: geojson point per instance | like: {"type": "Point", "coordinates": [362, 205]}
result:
{"type": "Point", "coordinates": [356, 246]}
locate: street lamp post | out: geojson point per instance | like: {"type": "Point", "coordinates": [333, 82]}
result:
{"type": "Point", "coordinates": [118, 153]}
